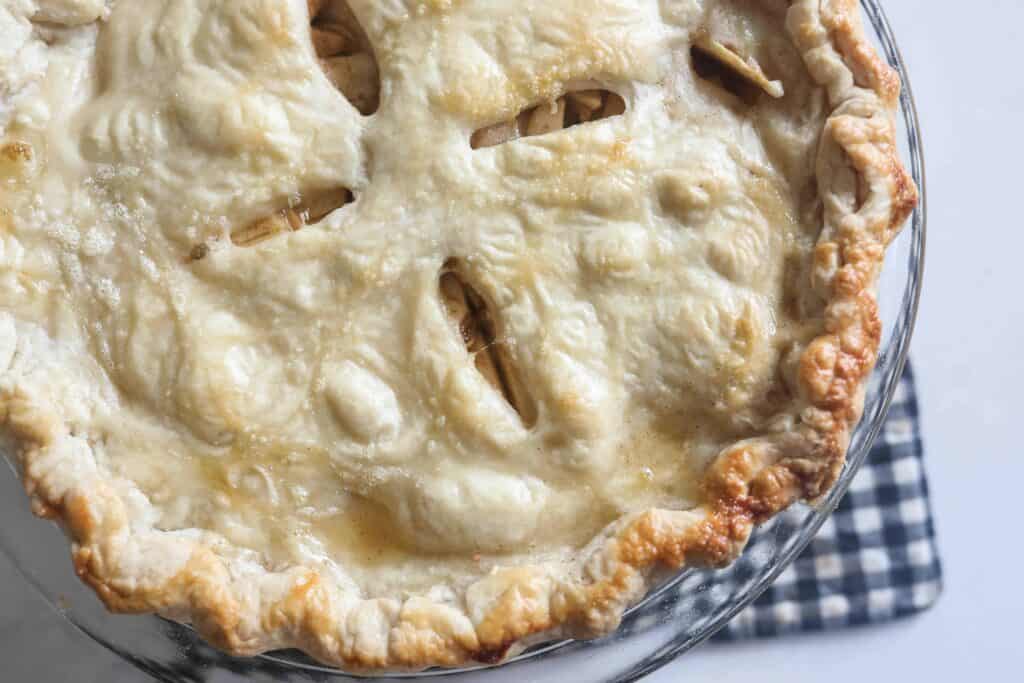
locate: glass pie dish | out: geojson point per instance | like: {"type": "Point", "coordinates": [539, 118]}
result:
{"type": "Point", "coordinates": [674, 618]}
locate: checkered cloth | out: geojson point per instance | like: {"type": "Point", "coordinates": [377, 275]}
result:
{"type": "Point", "coordinates": [875, 558]}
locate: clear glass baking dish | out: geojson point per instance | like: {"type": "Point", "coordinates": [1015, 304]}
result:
{"type": "Point", "coordinates": [672, 620]}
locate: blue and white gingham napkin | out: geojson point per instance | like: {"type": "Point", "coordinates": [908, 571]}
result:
{"type": "Point", "coordinates": [875, 559]}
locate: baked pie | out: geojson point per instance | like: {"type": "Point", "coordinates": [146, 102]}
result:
{"type": "Point", "coordinates": [408, 332]}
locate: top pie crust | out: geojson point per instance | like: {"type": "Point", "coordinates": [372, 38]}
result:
{"type": "Point", "coordinates": [284, 440]}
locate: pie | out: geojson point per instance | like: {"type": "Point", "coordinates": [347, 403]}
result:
{"type": "Point", "coordinates": [407, 333]}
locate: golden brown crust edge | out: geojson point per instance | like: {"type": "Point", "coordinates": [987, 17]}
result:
{"type": "Point", "coordinates": [246, 612]}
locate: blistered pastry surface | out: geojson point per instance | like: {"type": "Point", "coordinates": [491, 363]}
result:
{"type": "Point", "coordinates": [288, 442]}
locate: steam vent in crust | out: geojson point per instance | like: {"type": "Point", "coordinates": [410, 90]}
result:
{"type": "Point", "coordinates": [406, 333]}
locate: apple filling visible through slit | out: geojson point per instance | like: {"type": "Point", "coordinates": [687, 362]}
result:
{"type": "Point", "coordinates": [472, 319]}
{"type": "Point", "coordinates": [722, 65]}
{"type": "Point", "coordinates": [572, 109]}
{"type": "Point", "coordinates": [313, 208]}
{"type": "Point", "coordinates": [345, 53]}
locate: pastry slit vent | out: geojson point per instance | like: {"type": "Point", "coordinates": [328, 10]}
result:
{"type": "Point", "coordinates": [472, 319]}
{"type": "Point", "coordinates": [742, 77]}
{"type": "Point", "coordinates": [572, 109]}
{"type": "Point", "coordinates": [345, 53]}
{"type": "Point", "coordinates": [312, 209]}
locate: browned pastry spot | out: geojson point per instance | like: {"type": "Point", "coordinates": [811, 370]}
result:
{"type": "Point", "coordinates": [16, 161]}
{"type": "Point", "coordinates": [199, 252]}
{"type": "Point", "coordinates": [17, 151]}
{"type": "Point", "coordinates": [472, 319]}
{"type": "Point", "coordinates": [572, 109]}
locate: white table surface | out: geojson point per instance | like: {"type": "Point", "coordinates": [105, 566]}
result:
{"type": "Point", "coordinates": [964, 58]}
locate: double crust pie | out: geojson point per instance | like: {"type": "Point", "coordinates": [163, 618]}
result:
{"type": "Point", "coordinates": [407, 333]}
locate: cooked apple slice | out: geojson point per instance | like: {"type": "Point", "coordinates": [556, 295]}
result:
{"type": "Point", "coordinates": [265, 228]}
{"type": "Point", "coordinates": [331, 40]}
{"type": "Point", "coordinates": [345, 53]}
{"type": "Point", "coordinates": [494, 135]}
{"type": "Point", "coordinates": [313, 208]}
{"type": "Point", "coordinates": [315, 7]}
{"type": "Point", "coordinates": [356, 77]}
{"type": "Point", "coordinates": [574, 108]}
{"type": "Point", "coordinates": [472, 320]}
{"type": "Point", "coordinates": [317, 205]}
{"type": "Point", "coordinates": [547, 118]}
{"type": "Point", "coordinates": [727, 58]}
{"type": "Point", "coordinates": [586, 103]}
